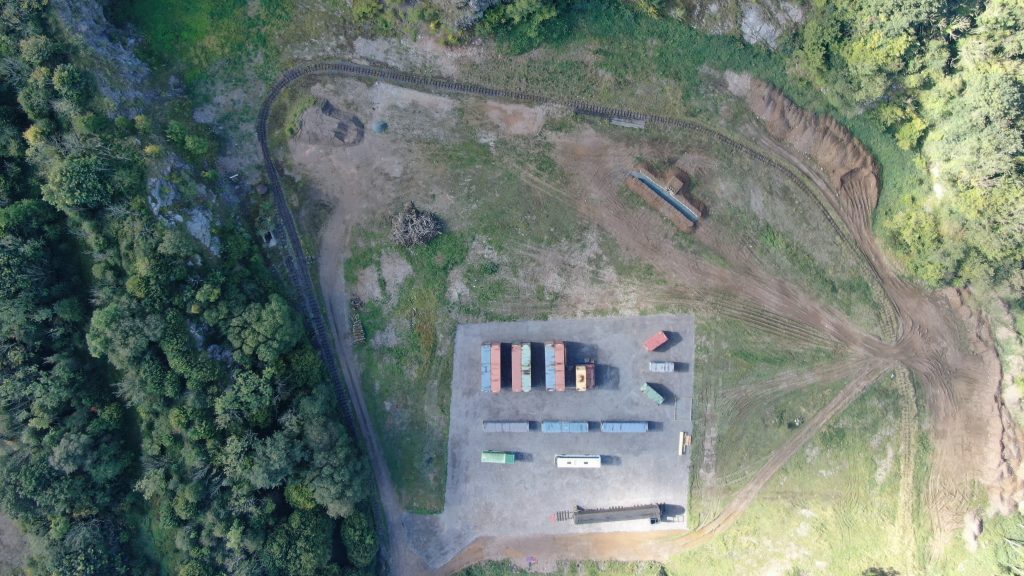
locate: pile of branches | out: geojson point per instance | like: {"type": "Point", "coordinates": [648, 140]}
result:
{"type": "Point", "coordinates": [413, 227]}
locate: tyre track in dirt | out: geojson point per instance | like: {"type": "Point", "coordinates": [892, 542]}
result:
{"type": "Point", "coordinates": [776, 303]}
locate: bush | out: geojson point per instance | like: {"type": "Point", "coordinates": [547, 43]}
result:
{"type": "Point", "coordinates": [71, 84]}
{"type": "Point", "coordinates": [360, 540]}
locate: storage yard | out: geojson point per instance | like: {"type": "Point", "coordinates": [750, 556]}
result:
{"type": "Point", "coordinates": [607, 448]}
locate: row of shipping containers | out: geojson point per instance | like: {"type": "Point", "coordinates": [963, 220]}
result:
{"type": "Point", "coordinates": [560, 426]}
{"type": "Point", "coordinates": [522, 366]}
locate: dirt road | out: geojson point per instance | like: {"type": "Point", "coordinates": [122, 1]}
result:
{"type": "Point", "coordinates": [923, 333]}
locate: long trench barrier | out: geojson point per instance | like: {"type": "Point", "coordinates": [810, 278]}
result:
{"type": "Point", "coordinates": [298, 262]}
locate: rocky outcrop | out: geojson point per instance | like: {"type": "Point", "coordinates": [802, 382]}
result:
{"type": "Point", "coordinates": [757, 21]}
{"type": "Point", "coordinates": [119, 73]}
{"type": "Point", "coordinates": [464, 13]}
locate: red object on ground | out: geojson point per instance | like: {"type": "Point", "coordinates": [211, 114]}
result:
{"type": "Point", "coordinates": [495, 368]}
{"type": "Point", "coordinates": [560, 366]}
{"type": "Point", "coordinates": [517, 368]}
{"type": "Point", "coordinates": [654, 342]}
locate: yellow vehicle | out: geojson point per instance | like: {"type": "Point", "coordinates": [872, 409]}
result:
{"type": "Point", "coordinates": [584, 377]}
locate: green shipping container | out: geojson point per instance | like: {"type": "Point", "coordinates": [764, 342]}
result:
{"type": "Point", "coordinates": [652, 393]}
{"type": "Point", "coordinates": [492, 457]}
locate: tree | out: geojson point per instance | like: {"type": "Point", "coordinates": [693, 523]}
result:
{"type": "Point", "coordinates": [81, 181]}
{"type": "Point", "coordinates": [301, 546]}
{"type": "Point", "coordinates": [360, 539]}
{"type": "Point", "coordinates": [37, 49]}
{"type": "Point", "coordinates": [71, 84]}
{"type": "Point", "coordinates": [265, 331]}
{"type": "Point", "coordinates": [34, 98]}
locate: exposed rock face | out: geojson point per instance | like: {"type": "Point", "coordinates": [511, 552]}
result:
{"type": "Point", "coordinates": [757, 21]}
{"type": "Point", "coordinates": [463, 13]}
{"type": "Point", "coordinates": [848, 163]}
{"type": "Point", "coordinates": [119, 72]}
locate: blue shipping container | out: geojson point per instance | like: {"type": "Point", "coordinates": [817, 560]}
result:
{"type": "Point", "coordinates": [556, 426]}
{"type": "Point", "coordinates": [485, 367]}
{"type": "Point", "coordinates": [623, 426]}
{"type": "Point", "coordinates": [549, 366]}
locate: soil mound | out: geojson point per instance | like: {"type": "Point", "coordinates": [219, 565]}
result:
{"type": "Point", "coordinates": [848, 164]}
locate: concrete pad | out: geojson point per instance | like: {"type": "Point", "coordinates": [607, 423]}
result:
{"type": "Point", "coordinates": [523, 498]}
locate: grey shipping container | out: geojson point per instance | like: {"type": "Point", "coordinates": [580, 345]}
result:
{"type": "Point", "coordinates": [485, 367]}
{"type": "Point", "coordinates": [497, 426]}
{"type": "Point", "coordinates": [624, 427]}
{"type": "Point", "coordinates": [556, 426]}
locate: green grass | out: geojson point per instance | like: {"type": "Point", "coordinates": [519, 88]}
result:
{"type": "Point", "coordinates": [408, 384]}
{"type": "Point", "coordinates": [730, 355]}
{"type": "Point", "coordinates": [198, 37]}
{"type": "Point", "coordinates": [828, 511]}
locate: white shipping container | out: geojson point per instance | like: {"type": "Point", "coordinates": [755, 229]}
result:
{"type": "Point", "coordinates": [661, 366]}
{"type": "Point", "coordinates": [578, 461]}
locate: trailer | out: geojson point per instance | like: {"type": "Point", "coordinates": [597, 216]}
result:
{"type": "Point", "coordinates": [651, 393]}
{"type": "Point", "coordinates": [517, 368]}
{"type": "Point", "coordinates": [584, 377]}
{"type": "Point", "coordinates": [624, 427]}
{"type": "Point", "coordinates": [506, 426]}
{"type": "Point", "coordinates": [661, 366]}
{"type": "Point", "coordinates": [485, 367]}
{"type": "Point", "coordinates": [656, 341]}
{"type": "Point", "coordinates": [560, 426]}
{"type": "Point", "coordinates": [495, 457]}
{"type": "Point", "coordinates": [527, 367]}
{"type": "Point", "coordinates": [495, 368]}
{"type": "Point", "coordinates": [578, 461]}
{"type": "Point", "coordinates": [651, 513]}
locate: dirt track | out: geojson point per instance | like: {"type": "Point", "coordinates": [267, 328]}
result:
{"type": "Point", "coordinates": [955, 369]}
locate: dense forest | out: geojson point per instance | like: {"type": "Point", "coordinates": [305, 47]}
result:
{"type": "Point", "coordinates": [148, 379]}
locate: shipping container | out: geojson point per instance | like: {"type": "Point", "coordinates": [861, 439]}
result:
{"type": "Point", "coordinates": [578, 461]}
{"type": "Point", "coordinates": [652, 394]}
{"type": "Point", "coordinates": [559, 366]}
{"type": "Point", "coordinates": [661, 366]}
{"type": "Point", "coordinates": [496, 368]}
{"type": "Point", "coordinates": [506, 426]}
{"type": "Point", "coordinates": [527, 367]}
{"type": "Point", "coordinates": [558, 426]}
{"type": "Point", "coordinates": [584, 377]}
{"type": "Point", "coordinates": [624, 427]}
{"type": "Point", "coordinates": [485, 367]}
{"type": "Point", "coordinates": [656, 341]}
{"type": "Point", "coordinates": [549, 366]}
{"type": "Point", "coordinates": [517, 368]}
{"type": "Point", "coordinates": [493, 457]}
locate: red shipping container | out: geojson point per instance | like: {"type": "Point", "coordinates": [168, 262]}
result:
{"type": "Point", "coordinates": [654, 342]}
